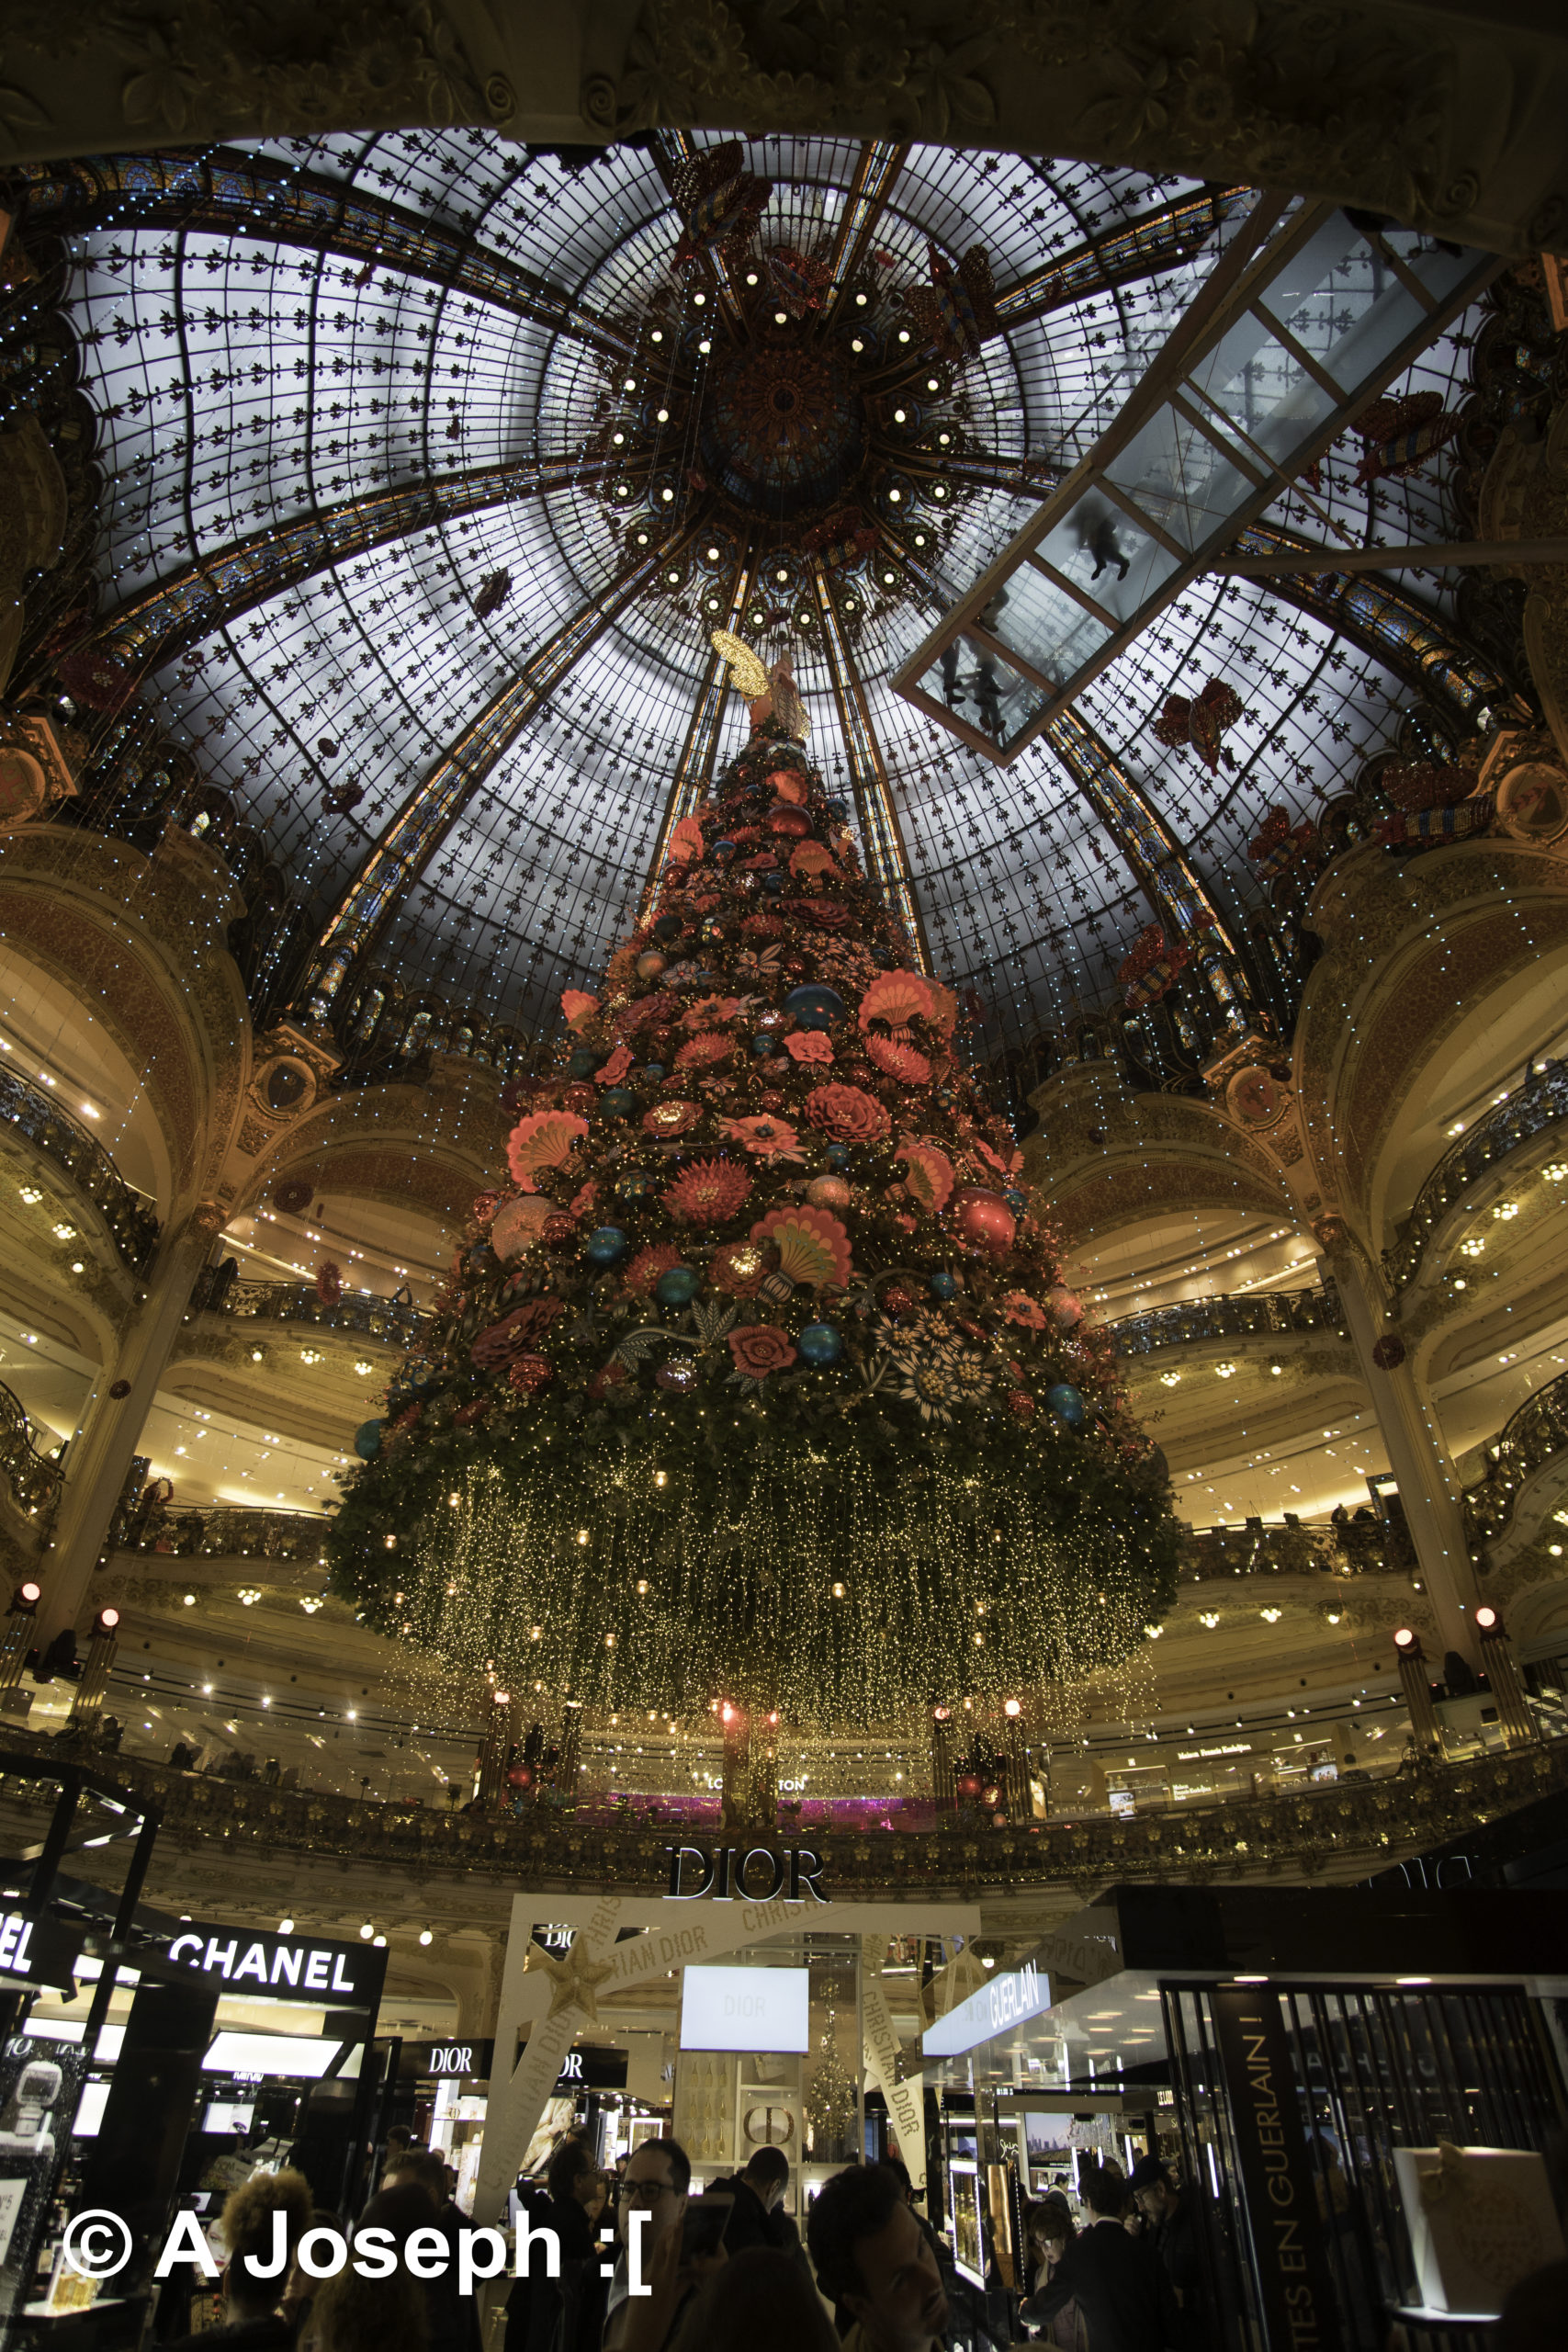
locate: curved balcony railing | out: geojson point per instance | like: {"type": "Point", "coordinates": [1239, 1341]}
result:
{"type": "Point", "coordinates": [83, 1159]}
{"type": "Point", "coordinates": [34, 1480]}
{"type": "Point", "coordinates": [1407, 1811]}
{"type": "Point", "coordinates": [1539, 1103]}
{"type": "Point", "coordinates": [394, 1320]}
{"type": "Point", "coordinates": [1237, 1316]}
{"type": "Point", "coordinates": [1343, 1546]}
{"type": "Point", "coordinates": [1526, 1439]}
{"type": "Point", "coordinates": [230, 1530]}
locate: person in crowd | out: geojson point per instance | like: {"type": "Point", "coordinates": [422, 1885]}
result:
{"type": "Point", "coordinates": [1117, 2283]}
{"type": "Point", "coordinates": [1048, 2232]}
{"type": "Point", "coordinates": [871, 2257]}
{"type": "Point", "coordinates": [399, 2141]}
{"type": "Point", "coordinates": [355, 2314]}
{"type": "Point", "coordinates": [1172, 2225]}
{"type": "Point", "coordinates": [249, 2300]}
{"type": "Point", "coordinates": [658, 2183]}
{"type": "Point", "coordinates": [762, 2300]}
{"type": "Point", "coordinates": [1535, 2312]}
{"type": "Point", "coordinates": [758, 2193]}
{"type": "Point", "coordinates": [566, 2313]}
{"type": "Point", "coordinates": [454, 2317]}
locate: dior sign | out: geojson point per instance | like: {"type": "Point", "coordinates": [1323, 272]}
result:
{"type": "Point", "coordinates": [744, 1874]}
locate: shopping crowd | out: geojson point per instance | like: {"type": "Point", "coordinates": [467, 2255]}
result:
{"type": "Point", "coordinates": [726, 2272]}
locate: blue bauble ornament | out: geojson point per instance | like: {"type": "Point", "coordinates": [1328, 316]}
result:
{"type": "Point", "coordinates": [637, 1184]}
{"type": "Point", "coordinates": [653, 1072]}
{"type": "Point", "coordinates": [617, 1102]}
{"type": "Point", "coordinates": [678, 1286]}
{"type": "Point", "coordinates": [605, 1244]}
{"type": "Point", "coordinates": [838, 809]}
{"type": "Point", "coordinates": [838, 1154]}
{"type": "Point", "coordinates": [816, 1007]}
{"type": "Point", "coordinates": [819, 1345]}
{"type": "Point", "coordinates": [723, 852]}
{"type": "Point", "coordinates": [775, 881]}
{"type": "Point", "coordinates": [763, 1046]}
{"type": "Point", "coordinates": [1066, 1403]}
{"type": "Point", "coordinates": [667, 927]}
{"type": "Point", "coordinates": [583, 1063]}
{"type": "Point", "coordinates": [944, 1286]}
{"type": "Point", "coordinates": [367, 1441]}
{"type": "Point", "coordinates": [1018, 1202]}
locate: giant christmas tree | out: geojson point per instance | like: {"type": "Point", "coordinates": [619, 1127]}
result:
{"type": "Point", "coordinates": [756, 1377]}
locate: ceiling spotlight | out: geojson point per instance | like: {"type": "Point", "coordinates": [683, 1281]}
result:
{"type": "Point", "coordinates": [369, 1930]}
{"type": "Point", "coordinates": [425, 1936]}
{"type": "Point", "coordinates": [780, 318]}
{"type": "Point", "coordinates": [286, 1926]}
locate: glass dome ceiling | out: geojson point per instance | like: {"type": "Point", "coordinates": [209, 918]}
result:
{"type": "Point", "coordinates": [462, 648]}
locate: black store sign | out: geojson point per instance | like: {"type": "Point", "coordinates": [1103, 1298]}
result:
{"type": "Point", "coordinates": [1300, 2311]}
{"type": "Point", "coordinates": [313, 1969]}
{"type": "Point", "coordinates": [468, 2061]}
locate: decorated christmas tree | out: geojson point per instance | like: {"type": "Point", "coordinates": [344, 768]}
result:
{"type": "Point", "coordinates": [756, 1375]}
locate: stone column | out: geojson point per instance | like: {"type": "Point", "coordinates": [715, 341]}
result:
{"type": "Point", "coordinates": [114, 1418]}
{"type": "Point", "coordinates": [1421, 1461]}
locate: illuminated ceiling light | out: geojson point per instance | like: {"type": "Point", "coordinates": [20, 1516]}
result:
{"type": "Point", "coordinates": [662, 416]}
{"type": "Point", "coordinates": [780, 318]}
{"type": "Point", "coordinates": [667, 495]}
{"type": "Point", "coordinates": [190, 1600]}
{"type": "Point", "coordinates": [1270, 1616]}
{"type": "Point", "coordinates": [425, 1936]}
{"type": "Point", "coordinates": [901, 417]}
{"type": "Point", "coordinates": [369, 1930]}
{"type": "Point", "coordinates": [30, 1194]}
{"type": "Point", "coordinates": [309, 1355]}
{"type": "Point", "coordinates": [933, 385]}
{"type": "Point", "coordinates": [699, 301]}
{"type": "Point", "coordinates": [364, 1370]}
{"type": "Point", "coordinates": [860, 302]}
{"type": "Point", "coordinates": [1460, 1283]}
{"type": "Point", "coordinates": [1555, 1172]}
{"type": "Point", "coordinates": [1153, 1632]}
{"type": "Point", "coordinates": [64, 1232]}
{"type": "Point", "coordinates": [713, 555]}
{"type": "Point", "coordinates": [658, 335]}
{"type": "Point", "coordinates": [855, 342]}
{"type": "Point", "coordinates": [1210, 1617]}
{"type": "Point", "coordinates": [895, 498]}
{"type": "Point", "coordinates": [1224, 1371]}
{"type": "Point", "coordinates": [1505, 1211]}
{"type": "Point", "coordinates": [704, 346]}
{"type": "Point", "coordinates": [1171, 1379]}
{"type": "Point", "coordinates": [903, 334]}
{"type": "Point", "coordinates": [1456, 1129]}
{"type": "Point", "coordinates": [249, 1597]}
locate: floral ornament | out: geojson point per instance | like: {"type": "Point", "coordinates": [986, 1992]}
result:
{"type": "Point", "coordinates": [971, 1381]}
{"type": "Point", "coordinates": [581, 1202]}
{"type": "Point", "coordinates": [898, 1061]}
{"type": "Point", "coordinates": [762, 927]}
{"type": "Point", "coordinates": [578, 1009]}
{"type": "Point", "coordinates": [672, 1118]}
{"type": "Point", "coordinates": [847, 1114]}
{"type": "Point", "coordinates": [545, 1140]}
{"type": "Point", "coordinates": [813, 1248]}
{"type": "Point", "coordinates": [704, 1050]}
{"type": "Point", "coordinates": [758, 1349]}
{"type": "Point", "coordinates": [809, 1046]}
{"type": "Point", "coordinates": [896, 997]}
{"type": "Point", "coordinates": [611, 1073]}
{"type": "Point", "coordinates": [647, 1265]}
{"type": "Point", "coordinates": [764, 1138]}
{"type": "Point", "coordinates": [514, 1332]}
{"type": "Point", "coordinates": [740, 1268]}
{"type": "Point", "coordinates": [825, 914]}
{"type": "Point", "coordinates": [1018, 1307]}
{"type": "Point", "coordinates": [931, 1179]}
{"type": "Point", "coordinates": [646, 1013]}
{"type": "Point", "coordinates": [708, 1192]}
{"type": "Point", "coordinates": [709, 1009]}
{"type": "Point", "coordinates": [924, 1355]}
{"type": "Point", "coordinates": [1008, 1167]}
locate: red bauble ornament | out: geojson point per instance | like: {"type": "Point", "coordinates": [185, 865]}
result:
{"type": "Point", "coordinates": [896, 1301]}
{"type": "Point", "coordinates": [1021, 1404]}
{"type": "Point", "coordinates": [771, 1101]}
{"type": "Point", "coordinates": [984, 1218]}
{"type": "Point", "coordinates": [792, 824]}
{"type": "Point", "coordinates": [969, 1784]}
{"type": "Point", "coordinates": [828, 1192]}
{"type": "Point", "coordinates": [650, 966]}
{"type": "Point", "coordinates": [529, 1373]}
{"type": "Point", "coordinates": [581, 1098]}
{"type": "Point", "coordinates": [557, 1229]}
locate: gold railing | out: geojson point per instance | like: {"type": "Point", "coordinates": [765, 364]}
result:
{"type": "Point", "coordinates": [1344, 1823]}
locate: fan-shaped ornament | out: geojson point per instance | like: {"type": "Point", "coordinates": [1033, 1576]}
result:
{"type": "Point", "coordinates": [931, 1178]}
{"type": "Point", "coordinates": [544, 1140]}
{"type": "Point", "coordinates": [686, 841]}
{"type": "Point", "coordinates": [896, 997]}
{"type": "Point", "coordinates": [578, 1009]}
{"type": "Point", "coordinates": [813, 1247]}
{"type": "Point", "coordinates": [898, 1060]}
